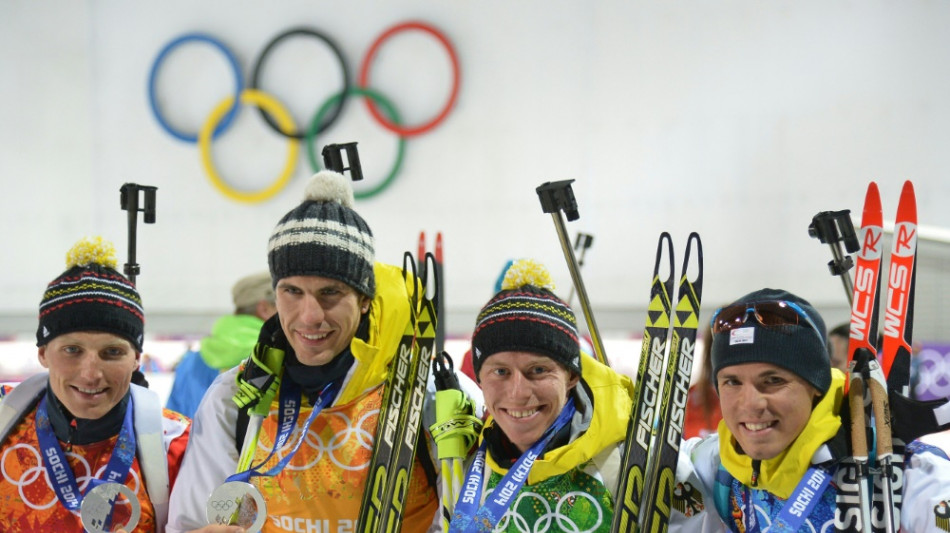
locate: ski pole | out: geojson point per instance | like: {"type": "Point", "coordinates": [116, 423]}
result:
{"type": "Point", "coordinates": [877, 386]}
{"type": "Point", "coordinates": [129, 199]}
{"type": "Point", "coordinates": [582, 242]}
{"type": "Point", "coordinates": [555, 197]}
{"type": "Point", "coordinates": [859, 442]}
{"type": "Point", "coordinates": [333, 159]}
{"type": "Point", "coordinates": [833, 227]}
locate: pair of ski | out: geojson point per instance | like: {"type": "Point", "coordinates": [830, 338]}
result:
{"type": "Point", "coordinates": [399, 427]}
{"type": "Point", "coordinates": [876, 380]}
{"type": "Point", "coordinates": [644, 499]}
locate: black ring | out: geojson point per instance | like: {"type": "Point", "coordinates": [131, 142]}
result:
{"type": "Point", "coordinates": [332, 116]}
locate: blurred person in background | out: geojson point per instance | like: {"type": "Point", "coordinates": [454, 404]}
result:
{"type": "Point", "coordinates": [231, 341]}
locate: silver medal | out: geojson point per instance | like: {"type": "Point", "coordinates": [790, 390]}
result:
{"type": "Point", "coordinates": [97, 505]}
{"type": "Point", "coordinates": [238, 503]}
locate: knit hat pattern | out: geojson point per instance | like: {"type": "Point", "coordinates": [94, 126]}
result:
{"type": "Point", "coordinates": [795, 348]}
{"type": "Point", "coordinates": [91, 296]}
{"type": "Point", "coordinates": [526, 316]}
{"type": "Point", "coordinates": [324, 236]}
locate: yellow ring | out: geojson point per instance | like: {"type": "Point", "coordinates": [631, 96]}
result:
{"type": "Point", "coordinates": [270, 105]}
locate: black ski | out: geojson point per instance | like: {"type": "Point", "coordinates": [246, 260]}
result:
{"type": "Point", "coordinates": [400, 417]}
{"type": "Point", "coordinates": [661, 469]}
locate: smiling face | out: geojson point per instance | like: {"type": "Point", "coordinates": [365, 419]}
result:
{"type": "Point", "coordinates": [524, 392]}
{"type": "Point", "coordinates": [89, 372]}
{"type": "Point", "coordinates": [319, 316]}
{"type": "Point", "coordinates": [765, 406]}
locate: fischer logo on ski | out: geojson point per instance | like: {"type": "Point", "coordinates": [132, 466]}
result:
{"type": "Point", "coordinates": [400, 418]}
{"type": "Point", "coordinates": [648, 464]}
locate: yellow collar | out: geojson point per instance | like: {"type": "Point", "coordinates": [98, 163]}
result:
{"type": "Point", "coordinates": [780, 474]}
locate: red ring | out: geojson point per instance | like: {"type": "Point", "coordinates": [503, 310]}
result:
{"type": "Point", "coordinates": [409, 131]}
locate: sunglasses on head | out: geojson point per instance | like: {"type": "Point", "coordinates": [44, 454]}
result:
{"type": "Point", "coordinates": [770, 314]}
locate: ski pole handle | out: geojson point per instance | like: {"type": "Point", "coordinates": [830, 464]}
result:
{"type": "Point", "coordinates": [859, 443]}
{"type": "Point", "coordinates": [555, 197]}
{"type": "Point", "coordinates": [333, 159]}
{"type": "Point", "coordinates": [885, 444]}
{"type": "Point", "coordinates": [833, 228]}
{"type": "Point", "coordinates": [129, 200]}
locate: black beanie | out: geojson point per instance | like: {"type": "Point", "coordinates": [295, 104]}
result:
{"type": "Point", "coordinates": [795, 348]}
{"type": "Point", "coordinates": [526, 316]}
{"type": "Point", "coordinates": [324, 236]}
{"type": "Point", "coordinates": [91, 296]}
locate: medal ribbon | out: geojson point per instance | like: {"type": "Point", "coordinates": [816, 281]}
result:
{"type": "Point", "coordinates": [289, 403]}
{"type": "Point", "coordinates": [797, 507]}
{"type": "Point", "coordinates": [468, 517]}
{"type": "Point", "coordinates": [61, 475]}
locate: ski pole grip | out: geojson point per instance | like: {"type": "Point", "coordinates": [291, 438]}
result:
{"type": "Point", "coordinates": [859, 442]}
{"type": "Point", "coordinates": [882, 416]}
{"type": "Point", "coordinates": [129, 201]}
{"type": "Point", "coordinates": [558, 196]}
{"type": "Point", "coordinates": [333, 159]}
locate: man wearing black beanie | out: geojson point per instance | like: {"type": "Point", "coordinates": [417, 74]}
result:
{"type": "Point", "coordinates": [780, 403]}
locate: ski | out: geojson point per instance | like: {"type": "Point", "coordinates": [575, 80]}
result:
{"type": "Point", "coordinates": [661, 467]}
{"type": "Point", "coordinates": [636, 447]}
{"type": "Point", "coordinates": [871, 381]}
{"type": "Point", "coordinates": [440, 289]}
{"type": "Point", "coordinates": [861, 350]}
{"type": "Point", "coordinates": [899, 305]}
{"type": "Point", "coordinates": [400, 417]}
{"type": "Point", "coordinates": [893, 376]}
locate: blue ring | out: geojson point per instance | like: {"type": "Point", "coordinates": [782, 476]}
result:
{"type": "Point", "coordinates": [153, 74]}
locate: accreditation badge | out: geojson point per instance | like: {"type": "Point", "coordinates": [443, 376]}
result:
{"type": "Point", "coordinates": [237, 503]}
{"type": "Point", "coordinates": [97, 507]}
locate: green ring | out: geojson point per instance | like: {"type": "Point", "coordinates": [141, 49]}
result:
{"type": "Point", "coordinates": [387, 107]}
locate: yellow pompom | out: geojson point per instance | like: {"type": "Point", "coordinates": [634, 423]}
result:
{"type": "Point", "coordinates": [88, 251]}
{"type": "Point", "coordinates": [527, 272]}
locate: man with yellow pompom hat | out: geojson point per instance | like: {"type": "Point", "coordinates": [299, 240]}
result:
{"type": "Point", "coordinates": [82, 446]}
{"type": "Point", "coordinates": [558, 417]}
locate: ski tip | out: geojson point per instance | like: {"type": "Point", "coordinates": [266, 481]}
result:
{"type": "Point", "coordinates": [907, 192]}
{"type": "Point", "coordinates": [872, 206]}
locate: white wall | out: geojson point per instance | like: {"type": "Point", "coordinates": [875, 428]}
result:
{"type": "Point", "coordinates": [740, 120]}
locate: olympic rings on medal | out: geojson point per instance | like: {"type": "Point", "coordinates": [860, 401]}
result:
{"type": "Point", "coordinates": [336, 52]}
{"type": "Point", "coordinates": [153, 75]}
{"type": "Point", "coordinates": [280, 120]}
{"type": "Point", "coordinates": [270, 105]}
{"type": "Point", "coordinates": [364, 78]}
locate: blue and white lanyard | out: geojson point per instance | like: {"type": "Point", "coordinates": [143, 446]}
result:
{"type": "Point", "coordinates": [289, 404]}
{"type": "Point", "coordinates": [468, 516]}
{"type": "Point", "coordinates": [61, 475]}
{"type": "Point", "coordinates": [797, 507]}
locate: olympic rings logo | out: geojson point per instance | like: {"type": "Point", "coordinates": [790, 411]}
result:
{"type": "Point", "coordinates": [280, 120]}
{"type": "Point", "coordinates": [222, 505]}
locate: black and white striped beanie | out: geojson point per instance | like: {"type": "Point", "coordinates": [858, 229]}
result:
{"type": "Point", "coordinates": [91, 296]}
{"type": "Point", "coordinates": [324, 236]}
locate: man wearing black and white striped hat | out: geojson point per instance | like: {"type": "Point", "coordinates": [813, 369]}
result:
{"type": "Point", "coordinates": [340, 318]}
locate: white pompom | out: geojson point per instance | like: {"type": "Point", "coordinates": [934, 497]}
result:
{"type": "Point", "coordinates": [329, 186]}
